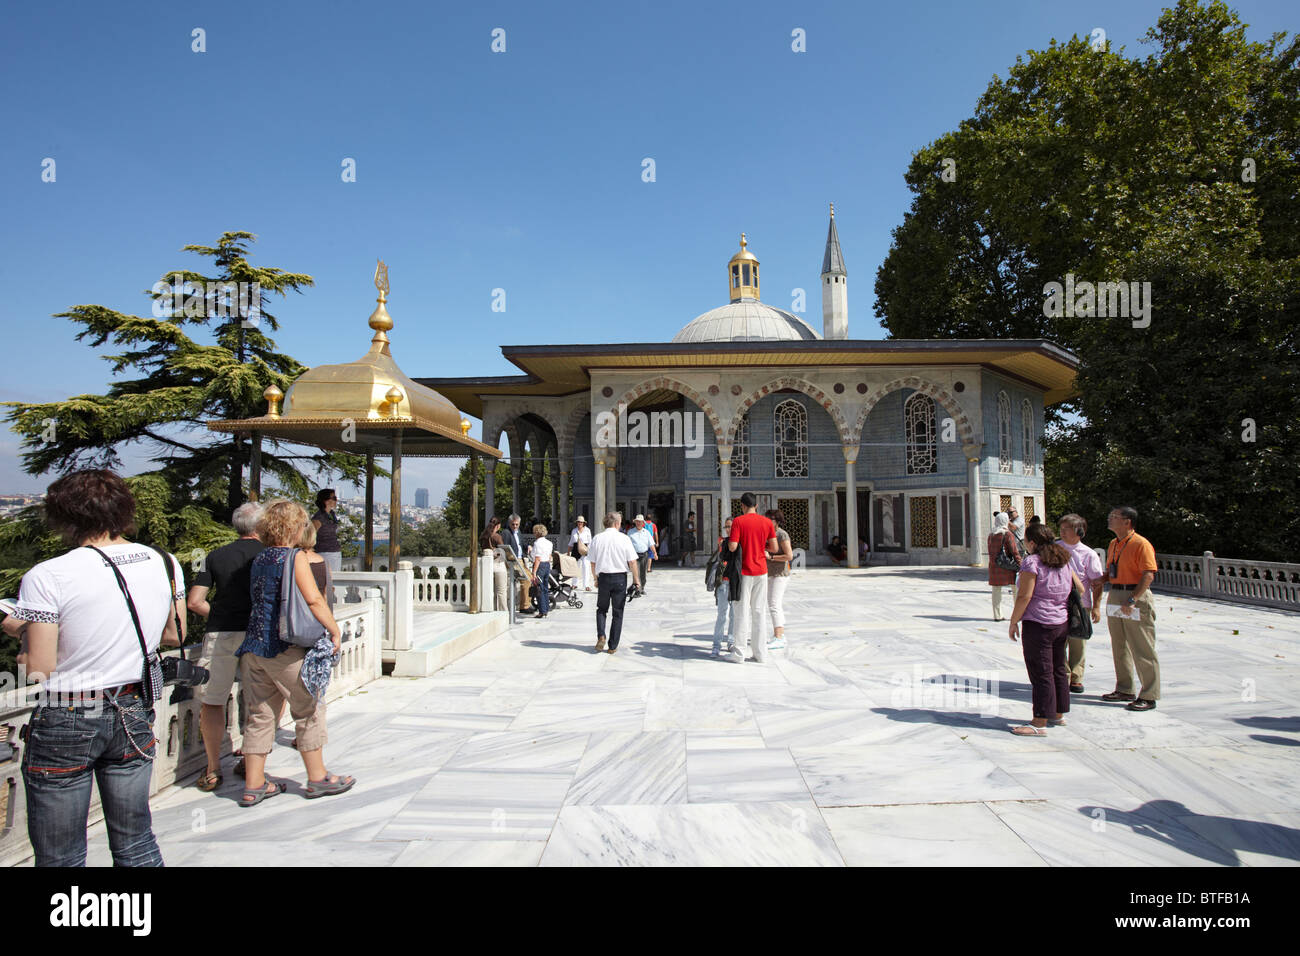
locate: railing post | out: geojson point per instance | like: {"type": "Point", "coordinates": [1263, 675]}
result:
{"type": "Point", "coordinates": [1207, 573]}
{"type": "Point", "coordinates": [403, 606]}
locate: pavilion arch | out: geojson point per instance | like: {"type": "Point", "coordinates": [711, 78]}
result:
{"type": "Point", "coordinates": [798, 385]}
{"type": "Point", "coordinates": [567, 434]}
{"type": "Point", "coordinates": [498, 421]}
{"type": "Point", "coordinates": [965, 430]}
{"type": "Point", "coordinates": [654, 384]}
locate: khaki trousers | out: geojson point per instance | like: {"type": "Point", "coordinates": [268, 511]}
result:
{"type": "Point", "coordinates": [1077, 649]}
{"type": "Point", "coordinates": [1133, 644]}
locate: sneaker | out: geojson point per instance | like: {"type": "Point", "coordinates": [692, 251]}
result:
{"type": "Point", "coordinates": [1141, 704]}
{"type": "Point", "coordinates": [776, 643]}
{"type": "Point", "coordinates": [1116, 695]}
{"type": "Point", "coordinates": [734, 655]}
{"type": "Point", "coordinates": [600, 644]}
{"type": "Point", "coordinates": [716, 652]}
{"type": "Point", "coordinates": [1076, 688]}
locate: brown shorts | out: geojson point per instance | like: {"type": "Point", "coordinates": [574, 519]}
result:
{"type": "Point", "coordinates": [267, 682]}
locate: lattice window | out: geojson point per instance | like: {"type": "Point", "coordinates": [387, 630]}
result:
{"type": "Point", "coordinates": [925, 522]}
{"type": "Point", "coordinates": [621, 465]}
{"type": "Point", "coordinates": [795, 511]}
{"type": "Point", "coordinates": [1004, 504]}
{"type": "Point", "coordinates": [919, 431]}
{"type": "Point", "coordinates": [1004, 433]}
{"type": "Point", "coordinates": [790, 439]}
{"type": "Point", "coordinates": [1028, 447]}
{"type": "Point", "coordinates": [739, 453]}
{"type": "Point", "coordinates": [1029, 510]}
{"type": "Point", "coordinates": [658, 464]}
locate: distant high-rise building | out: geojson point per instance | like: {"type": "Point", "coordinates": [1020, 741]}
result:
{"type": "Point", "coordinates": [421, 497]}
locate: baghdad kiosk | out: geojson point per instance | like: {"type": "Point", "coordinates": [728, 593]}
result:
{"type": "Point", "coordinates": [906, 446]}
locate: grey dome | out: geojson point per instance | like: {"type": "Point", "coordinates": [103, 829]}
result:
{"type": "Point", "coordinates": [746, 321]}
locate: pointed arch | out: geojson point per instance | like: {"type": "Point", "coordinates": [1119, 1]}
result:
{"type": "Point", "coordinates": [965, 430]}
{"type": "Point", "coordinates": [672, 384]}
{"type": "Point", "coordinates": [798, 385]}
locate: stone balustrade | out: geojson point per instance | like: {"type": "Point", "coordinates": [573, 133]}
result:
{"type": "Point", "coordinates": [1265, 583]}
{"type": "Point", "coordinates": [180, 746]}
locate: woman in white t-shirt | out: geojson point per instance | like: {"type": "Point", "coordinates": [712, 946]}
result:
{"type": "Point", "coordinates": [542, 551]}
{"type": "Point", "coordinates": [579, 545]}
{"type": "Point", "coordinates": [78, 637]}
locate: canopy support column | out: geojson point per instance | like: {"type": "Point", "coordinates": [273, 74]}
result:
{"type": "Point", "coordinates": [851, 503]}
{"type": "Point", "coordinates": [473, 533]}
{"type": "Point", "coordinates": [255, 468]}
{"type": "Point", "coordinates": [489, 488]}
{"type": "Point", "coordinates": [395, 505]}
{"type": "Point", "coordinates": [564, 503]}
{"type": "Point", "coordinates": [370, 510]}
{"type": "Point", "coordinates": [599, 487]}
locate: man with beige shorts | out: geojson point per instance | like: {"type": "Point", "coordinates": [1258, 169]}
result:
{"type": "Point", "coordinates": [226, 569]}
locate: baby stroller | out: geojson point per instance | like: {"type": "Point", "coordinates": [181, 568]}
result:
{"type": "Point", "coordinates": [562, 588]}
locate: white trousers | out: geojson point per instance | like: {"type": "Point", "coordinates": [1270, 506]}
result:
{"type": "Point", "coordinates": [997, 600]}
{"type": "Point", "coordinates": [775, 598]}
{"type": "Point", "coordinates": [751, 630]}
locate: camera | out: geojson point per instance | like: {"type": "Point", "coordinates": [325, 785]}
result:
{"type": "Point", "coordinates": [177, 670]}
{"type": "Point", "coordinates": [634, 592]}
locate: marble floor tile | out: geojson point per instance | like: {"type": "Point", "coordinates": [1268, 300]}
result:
{"type": "Point", "coordinates": [726, 740]}
{"type": "Point", "coordinates": [631, 769]}
{"type": "Point", "coordinates": [727, 834]}
{"type": "Point", "coordinates": [743, 775]}
{"type": "Point", "coordinates": [946, 771]}
{"type": "Point", "coordinates": [481, 805]}
{"type": "Point", "coordinates": [949, 834]}
{"type": "Point", "coordinates": [470, 853]}
{"type": "Point", "coordinates": [520, 750]}
{"type": "Point", "coordinates": [699, 707]}
{"type": "Point", "coordinates": [818, 728]}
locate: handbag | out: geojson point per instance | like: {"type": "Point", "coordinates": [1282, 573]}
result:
{"type": "Point", "coordinates": [298, 625]}
{"type": "Point", "coordinates": [1004, 560]}
{"type": "Point", "coordinates": [1080, 621]}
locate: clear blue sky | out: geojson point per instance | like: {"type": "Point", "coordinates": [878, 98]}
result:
{"type": "Point", "coordinates": [476, 170]}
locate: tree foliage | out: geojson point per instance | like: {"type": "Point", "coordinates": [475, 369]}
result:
{"type": "Point", "coordinates": [1182, 169]}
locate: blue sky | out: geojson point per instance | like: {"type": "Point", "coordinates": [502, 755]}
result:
{"type": "Point", "coordinates": [476, 170]}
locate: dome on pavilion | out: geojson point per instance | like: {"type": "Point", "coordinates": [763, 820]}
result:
{"type": "Point", "coordinates": [746, 321]}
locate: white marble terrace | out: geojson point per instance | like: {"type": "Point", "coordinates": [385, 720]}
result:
{"type": "Point", "coordinates": [867, 742]}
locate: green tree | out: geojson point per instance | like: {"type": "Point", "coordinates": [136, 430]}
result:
{"type": "Point", "coordinates": [1181, 169]}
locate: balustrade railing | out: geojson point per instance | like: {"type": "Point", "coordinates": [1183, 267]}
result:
{"type": "Point", "coordinates": [1267, 583]}
{"type": "Point", "coordinates": [180, 747]}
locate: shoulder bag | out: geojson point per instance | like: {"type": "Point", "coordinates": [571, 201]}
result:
{"type": "Point", "coordinates": [1080, 620]}
{"type": "Point", "coordinates": [1004, 560]}
{"type": "Point", "coordinates": [298, 625]}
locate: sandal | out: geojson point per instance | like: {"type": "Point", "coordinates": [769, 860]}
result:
{"type": "Point", "coordinates": [327, 787]}
{"type": "Point", "coordinates": [1029, 730]}
{"type": "Point", "coordinates": [252, 798]}
{"type": "Point", "coordinates": [1056, 723]}
{"type": "Point", "coordinates": [209, 781]}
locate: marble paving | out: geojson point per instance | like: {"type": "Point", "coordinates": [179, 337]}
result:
{"type": "Point", "coordinates": [879, 737]}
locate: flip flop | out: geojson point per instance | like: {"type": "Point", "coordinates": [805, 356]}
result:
{"type": "Point", "coordinates": [259, 795]}
{"type": "Point", "coordinates": [328, 788]}
{"type": "Point", "coordinates": [1029, 730]}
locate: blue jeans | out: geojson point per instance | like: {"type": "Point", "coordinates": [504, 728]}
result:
{"type": "Point", "coordinates": [66, 747]}
{"type": "Point", "coordinates": [722, 595]}
{"type": "Point", "coordinates": [544, 587]}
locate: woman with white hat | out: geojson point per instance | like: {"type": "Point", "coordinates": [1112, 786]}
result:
{"type": "Point", "coordinates": [579, 544]}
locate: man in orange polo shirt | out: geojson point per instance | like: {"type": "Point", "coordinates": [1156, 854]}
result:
{"type": "Point", "coordinates": [1131, 612]}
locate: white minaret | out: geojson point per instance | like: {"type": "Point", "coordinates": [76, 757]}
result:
{"type": "Point", "coordinates": [835, 290]}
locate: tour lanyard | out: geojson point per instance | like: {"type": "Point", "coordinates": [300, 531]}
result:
{"type": "Point", "coordinates": [1113, 566]}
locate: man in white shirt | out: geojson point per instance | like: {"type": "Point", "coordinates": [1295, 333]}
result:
{"type": "Point", "coordinates": [1084, 563]}
{"type": "Point", "coordinates": [643, 541]}
{"type": "Point", "coordinates": [612, 558]}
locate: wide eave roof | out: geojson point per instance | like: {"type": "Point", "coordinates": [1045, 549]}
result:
{"type": "Point", "coordinates": [565, 369]}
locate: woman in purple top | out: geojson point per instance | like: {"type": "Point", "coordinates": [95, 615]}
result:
{"type": "Point", "coordinates": [1041, 596]}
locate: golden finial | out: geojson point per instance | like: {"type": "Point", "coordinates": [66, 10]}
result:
{"type": "Point", "coordinates": [394, 397]}
{"type": "Point", "coordinates": [272, 396]}
{"type": "Point", "coordinates": [743, 243]}
{"type": "Point", "coordinates": [464, 427]}
{"type": "Point", "coordinates": [380, 320]}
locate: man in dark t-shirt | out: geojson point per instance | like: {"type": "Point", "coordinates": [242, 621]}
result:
{"type": "Point", "coordinates": [226, 569]}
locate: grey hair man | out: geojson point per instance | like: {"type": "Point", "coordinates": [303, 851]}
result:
{"type": "Point", "coordinates": [612, 558]}
{"type": "Point", "coordinates": [1087, 567]}
{"type": "Point", "coordinates": [227, 570]}
{"type": "Point", "coordinates": [515, 542]}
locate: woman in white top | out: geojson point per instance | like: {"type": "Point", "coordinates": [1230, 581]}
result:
{"type": "Point", "coordinates": [581, 535]}
{"type": "Point", "coordinates": [542, 550]}
{"type": "Point", "coordinates": [78, 637]}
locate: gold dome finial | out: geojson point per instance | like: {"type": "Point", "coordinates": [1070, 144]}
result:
{"type": "Point", "coordinates": [380, 320]}
{"type": "Point", "coordinates": [272, 396]}
{"type": "Point", "coordinates": [743, 243]}
{"type": "Point", "coordinates": [393, 397]}
{"type": "Point", "coordinates": [464, 427]}
{"type": "Point", "coordinates": [742, 273]}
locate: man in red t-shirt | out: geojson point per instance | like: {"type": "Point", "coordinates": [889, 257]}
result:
{"type": "Point", "coordinates": [756, 537]}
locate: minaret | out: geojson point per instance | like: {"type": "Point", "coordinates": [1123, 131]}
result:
{"type": "Point", "coordinates": [835, 291]}
{"type": "Point", "coordinates": [742, 274]}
